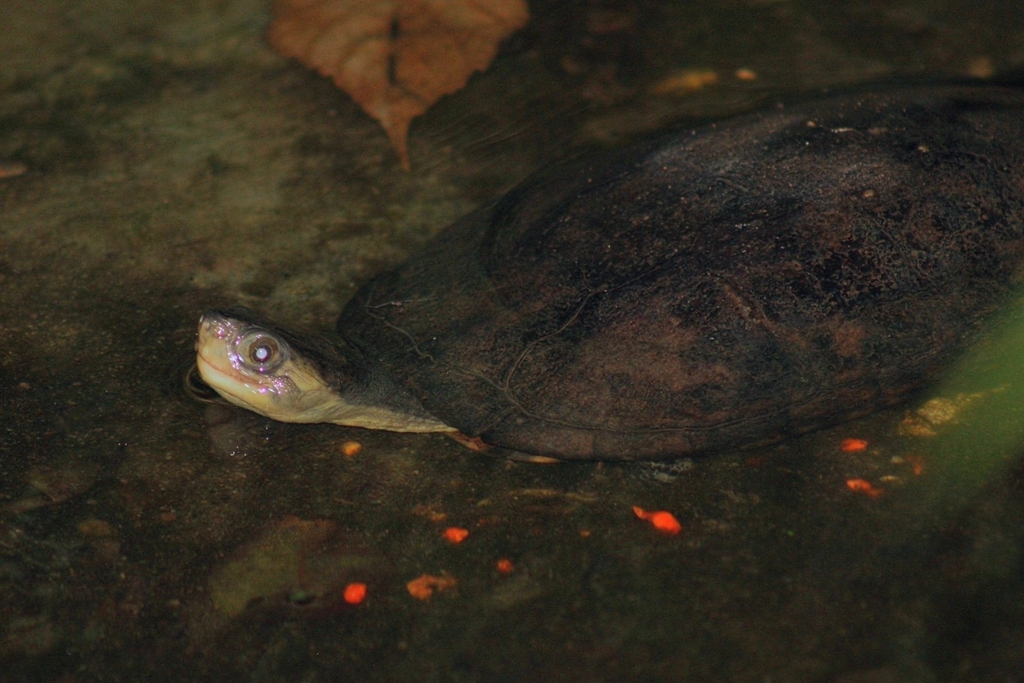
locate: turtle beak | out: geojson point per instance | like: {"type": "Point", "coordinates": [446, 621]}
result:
{"type": "Point", "coordinates": [212, 356]}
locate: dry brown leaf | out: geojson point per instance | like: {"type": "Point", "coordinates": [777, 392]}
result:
{"type": "Point", "coordinates": [395, 57]}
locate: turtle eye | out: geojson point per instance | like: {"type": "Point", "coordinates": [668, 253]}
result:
{"type": "Point", "coordinates": [262, 351]}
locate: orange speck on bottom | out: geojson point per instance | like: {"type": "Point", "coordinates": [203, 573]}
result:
{"type": "Point", "coordinates": [355, 593]}
{"type": "Point", "coordinates": [350, 448]}
{"type": "Point", "coordinates": [851, 445]}
{"type": "Point", "coordinates": [10, 169]}
{"type": "Point", "coordinates": [661, 520]}
{"type": "Point", "coordinates": [454, 534]}
{"type": "Point", "coordinates": [916, 464]}
{"type": "Point", "coordinates": [505, 566]}
{"type": "Point", "coordinates": [422, 587]}
{"type": "Point", "coordinates": [863, 486]}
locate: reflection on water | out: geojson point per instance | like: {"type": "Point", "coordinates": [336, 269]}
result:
{"type": "Point", "coordinates": [172, 164]}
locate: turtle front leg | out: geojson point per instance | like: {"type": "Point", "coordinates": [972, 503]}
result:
{"type": "Point", "coordinates": [477, 444]}
{"type": "Point", "coordinates": [473, 443]}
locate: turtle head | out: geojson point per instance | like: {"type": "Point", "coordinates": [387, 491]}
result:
{"type": "Point", "coordinates": [252, 364]}
{"type": "Point", "coordinates": [300, 378]}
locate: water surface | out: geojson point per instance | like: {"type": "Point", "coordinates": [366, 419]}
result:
{"type": "Point", "coordinates": [175, 163]}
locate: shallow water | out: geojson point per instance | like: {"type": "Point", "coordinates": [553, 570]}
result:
{"type": "Point", "coordinates": [174, 163]}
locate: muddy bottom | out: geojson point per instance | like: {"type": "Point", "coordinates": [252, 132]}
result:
{"type": "Point", "coordinates": [160, 160]}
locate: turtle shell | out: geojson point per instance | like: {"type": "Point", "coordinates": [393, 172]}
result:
{"type": "Point", "coordinates": [725, 286]}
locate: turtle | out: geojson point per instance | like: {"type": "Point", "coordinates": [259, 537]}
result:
{"type": "Point", "coordinates": [715, 288]}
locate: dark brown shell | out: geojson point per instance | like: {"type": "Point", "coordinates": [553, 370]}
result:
{"type": "Point", "coordinates": [724, 287]}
